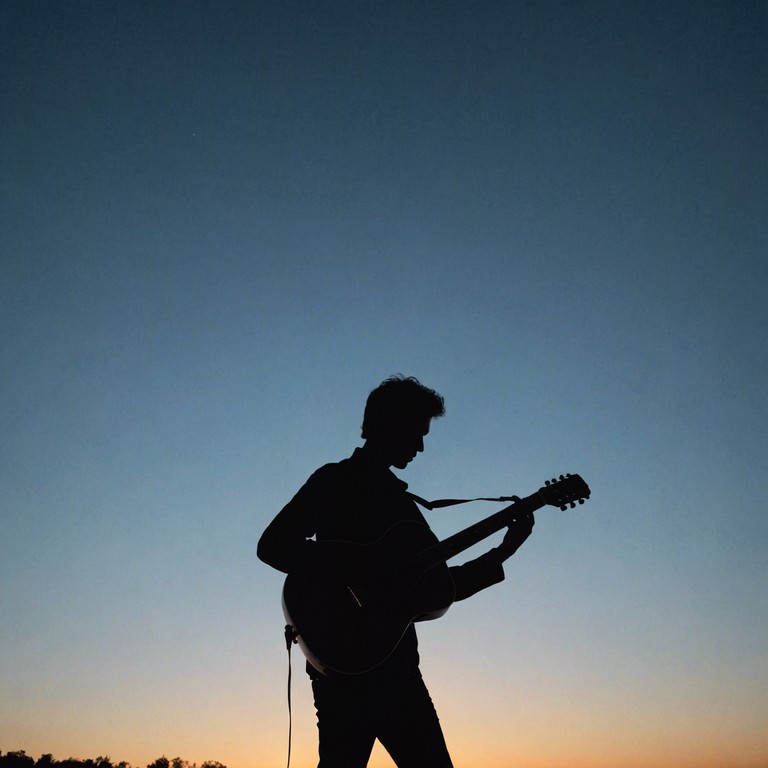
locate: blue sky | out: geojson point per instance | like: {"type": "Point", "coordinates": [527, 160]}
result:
{"type": "Point", "coordinates": [223, 224]}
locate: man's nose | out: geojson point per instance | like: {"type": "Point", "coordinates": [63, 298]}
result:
{"type": "Point", "coordinates": [420, 445]}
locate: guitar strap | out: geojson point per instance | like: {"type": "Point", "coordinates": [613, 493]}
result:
{"type": "Point", "coordinates": [450, 502]}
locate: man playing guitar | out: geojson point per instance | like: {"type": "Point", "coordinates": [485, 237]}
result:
{"type": "Point", "coordinates": [317, 537]}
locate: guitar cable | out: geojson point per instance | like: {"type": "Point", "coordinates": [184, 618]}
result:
{"type": "Point", "coordinates": [290, 638]}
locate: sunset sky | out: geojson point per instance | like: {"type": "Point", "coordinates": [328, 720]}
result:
{"type": "Point", "coordinates": [224, 223]}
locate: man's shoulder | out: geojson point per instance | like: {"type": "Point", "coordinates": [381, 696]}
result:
{"type": "Point", "coordinates": [333, 472]}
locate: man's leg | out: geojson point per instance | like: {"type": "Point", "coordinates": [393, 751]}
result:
{"type": "Point", "coordinates": [408, 727]}
{"type": "Point", "coordinates": [345, 730]}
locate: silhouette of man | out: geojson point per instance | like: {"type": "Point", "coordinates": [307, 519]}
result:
{"type": "Point", "coordinates": [358, 500]}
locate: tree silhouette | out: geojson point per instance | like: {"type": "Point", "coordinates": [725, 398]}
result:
{"type": "Point", "coordinates": [20, 759]}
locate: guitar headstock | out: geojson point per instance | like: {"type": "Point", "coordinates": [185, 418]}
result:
{"type": "Point", "coordinates": [564, 491]}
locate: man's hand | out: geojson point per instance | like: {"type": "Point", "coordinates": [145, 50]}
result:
{"type": "Point", "coordinates": [519, 530]}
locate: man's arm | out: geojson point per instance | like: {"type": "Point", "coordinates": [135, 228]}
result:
{"type": "Point", "coordinates": [286, 544]}
{"type": "Point", "coordinates": [488, 569]}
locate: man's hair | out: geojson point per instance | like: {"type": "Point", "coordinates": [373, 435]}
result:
{"type": "Point", "coordinates": [398, 399]}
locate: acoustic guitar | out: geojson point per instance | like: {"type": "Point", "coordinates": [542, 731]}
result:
{"type": "Point", "coordinates": [351, 618]}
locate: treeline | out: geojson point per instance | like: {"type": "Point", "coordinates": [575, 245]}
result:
{"type": "Point", "coordinates": [21, 759]}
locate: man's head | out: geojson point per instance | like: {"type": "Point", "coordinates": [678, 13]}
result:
{"type": "Point", "coordinates": [397, 417]}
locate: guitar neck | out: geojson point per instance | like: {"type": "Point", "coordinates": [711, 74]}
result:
{"type": "Point", "coordinates": [444, 550]}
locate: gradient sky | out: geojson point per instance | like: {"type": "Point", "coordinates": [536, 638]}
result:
{"type": "Point", "coordinates": [223, 223]}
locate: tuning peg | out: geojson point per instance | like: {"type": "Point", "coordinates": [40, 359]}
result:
{"type": "Point", "coordinates": [581, 501]}
{"type": "Point", "coordinates": [563, 507]}
{"type": "Point", "coordinates": [567, 474]}
{"type": "Point", "coordinates": [561, 477]}
{"type": "Point", "coordinates": [554, 479]}
{"type": "Point", "coordinates": [547, 482]}
{"type": "Point", "coordinates": [573, 506]}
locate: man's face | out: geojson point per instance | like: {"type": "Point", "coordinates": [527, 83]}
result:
{"type": "Point", "coordinates": [404, 441]}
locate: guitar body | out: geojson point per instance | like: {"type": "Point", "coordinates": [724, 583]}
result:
{"type": "Point", "coordinates": [350, 621]}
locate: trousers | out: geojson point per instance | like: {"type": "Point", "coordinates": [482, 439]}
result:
{"type": "Point", "coordinates": [396, 709]}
